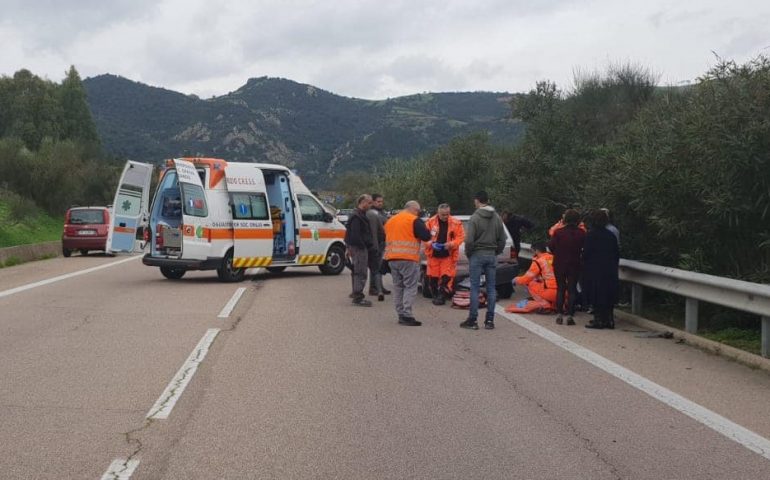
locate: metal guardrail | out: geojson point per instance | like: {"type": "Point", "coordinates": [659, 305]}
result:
{"type": "Point", "coordinates": [695, 287]}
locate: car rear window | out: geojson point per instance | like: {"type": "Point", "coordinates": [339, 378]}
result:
{"type": "Point", "coordinates": [81, 217]}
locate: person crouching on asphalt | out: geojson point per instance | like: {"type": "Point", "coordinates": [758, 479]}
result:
{"type": "Point", "coordinates": [484, 241]}
{"type": "Point", "coordinates": [360, 248]}
{"type": "Point", "coordinates": [443, 250]}
{"type": "Point", "coordinates": [541, 284]}
{"type": "Point", "coordinates": [403, 233]}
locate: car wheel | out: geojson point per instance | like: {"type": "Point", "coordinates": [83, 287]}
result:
{"type": "Point", "coordinates": [505, 290]}
{"type": "Point", "coordinates": [172, 273]}
{"type": "Point", "coordinates": [83, 252]}
{"type": "Point", "coordinates": [276, 269]}
{"type": "Point", "coordinates": [228, 273]}
{"type": "Point", "coordinates": [335, 261]}
{"type": "Point", "coordinates": [66, 252]}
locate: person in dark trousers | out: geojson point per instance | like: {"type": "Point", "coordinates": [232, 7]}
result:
{"type": "Point", "coordinates": [360, 248]}
{"type": "Point", "coordinates": [377, 219]}
{"type": "Point", "coordinates": [515, 224]}
{"type": "Point", "coordinates": [601, 257]}
{"type": "Point", "coordinates": [484, 241]}
{"type": "Point", "coordinates": [567, 247]}
{"type": "Point", "coordinates": [403, 234]}
{"type": "Point", "coordinates": [610, 226]}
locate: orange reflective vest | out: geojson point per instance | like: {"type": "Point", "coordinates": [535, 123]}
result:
{"type": "Point", "coordinates": [541, 269]}
{"type": "Point", "coordinates": [455, 236]}
{"type": "Point", "coordinates": [400, 242]}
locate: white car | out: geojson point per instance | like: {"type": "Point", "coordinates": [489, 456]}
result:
{"type": "Point", "coordinates": [344, 215]}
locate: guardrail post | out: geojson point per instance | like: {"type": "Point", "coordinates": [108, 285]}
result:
{"type": "Point", "coordinates": [636, 299]}
{"type": "Point", "coordinates": [691, 315]}
{"type": "Point", "coordinates": [766, 337]}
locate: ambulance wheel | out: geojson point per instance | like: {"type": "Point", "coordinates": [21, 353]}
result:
{"type": "Point", "coordinates": [172, 273]}
{"type": "Point", "coordinates": [335, 261]}
{"type": "Point", "coordinates": [276, 269]}
{"type": "Point", "coordinates": [66, 252]}
{"type": "Point", "coordinates": [505, 290]}
{"type": "Point", "coordinates": [227, 273]}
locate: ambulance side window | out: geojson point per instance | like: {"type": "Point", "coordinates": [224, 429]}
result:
{"type": "Point", "coordinates": [310, 210]}
{"type": "Point", "coordinates": [249, 206]}
{"type": "Point", "coordinates": [194, 201]}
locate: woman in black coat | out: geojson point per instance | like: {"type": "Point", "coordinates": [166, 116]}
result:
{"type": "Point", "coordinates": [601, 256]}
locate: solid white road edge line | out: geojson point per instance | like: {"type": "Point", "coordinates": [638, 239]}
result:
{"type": "Point", "coordinates": [41, 283]}
{"type": "Point", "coordinates": [713, 420]}
{"type": "Point", "coordinates": [120, 469]}
{"type": "Point", "coordinates": [173, 391]}
{"type": "Point", "coordinates": [228, 309]}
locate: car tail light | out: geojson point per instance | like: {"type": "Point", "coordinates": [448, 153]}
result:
{"type": "Point", "coordinates": [159, 237]}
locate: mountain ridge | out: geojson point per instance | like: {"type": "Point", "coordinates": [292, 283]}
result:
{"type": "Point", "coordinates": [269, 119]}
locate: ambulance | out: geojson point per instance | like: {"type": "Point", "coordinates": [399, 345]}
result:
{"type": "Point", "coordinates": [210, 214]}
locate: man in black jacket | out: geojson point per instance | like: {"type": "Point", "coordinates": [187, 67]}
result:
{"type": "Point", "coordinates": [358, 239]}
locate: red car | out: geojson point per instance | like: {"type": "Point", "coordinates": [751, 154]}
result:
{"type": "Point", "coordinates": [85, 229]}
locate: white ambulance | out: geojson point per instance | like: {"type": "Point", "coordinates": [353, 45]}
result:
{"type": "Point", "coordinates": [210, 214]}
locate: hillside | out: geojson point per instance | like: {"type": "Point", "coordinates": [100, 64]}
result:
{"type": "Point", "coordinates": [280, 121]}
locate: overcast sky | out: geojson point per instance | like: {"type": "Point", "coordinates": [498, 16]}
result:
{"type": "Point", "coordinates": [375, 49]}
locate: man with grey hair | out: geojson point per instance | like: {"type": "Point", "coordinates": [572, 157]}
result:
{"type": "Point", "coordinates": [403, 234]}
{"type": "Point", "coordinates": [360, 248]}
{"type": "Point", "coordinates": [442, 252]}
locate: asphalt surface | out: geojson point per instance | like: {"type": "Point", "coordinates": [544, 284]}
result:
{"type": "Point", "coordinates": [298, 383]}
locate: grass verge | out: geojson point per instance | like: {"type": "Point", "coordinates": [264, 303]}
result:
{"type": "Point", "coordinates": [35, 227]}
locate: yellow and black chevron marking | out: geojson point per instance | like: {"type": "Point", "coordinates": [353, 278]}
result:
{"type": "Point", "coordinates": [251, 262]}
{"type": "Point", "coordinates": [311, 259]}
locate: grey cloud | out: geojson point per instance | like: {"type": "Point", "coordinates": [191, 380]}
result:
{"type": "Point", "coordinates": [52, 24]}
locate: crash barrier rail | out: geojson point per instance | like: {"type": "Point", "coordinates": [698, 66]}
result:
{"type": "Point", "coordinates": [33, 251]}
{"type": "Point", "coordinates": [744, 296]}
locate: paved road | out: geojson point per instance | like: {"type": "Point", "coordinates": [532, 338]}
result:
{"type": "Point", "coordinates": [297, 383]}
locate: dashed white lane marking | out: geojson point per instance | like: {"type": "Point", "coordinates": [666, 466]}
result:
{"type": "Point", "coordinates": [173, 391]}
{"type": "Point", "coordinates": [713, 420]}
{"type": "Point", "coordinates": [41, 283]}
{"type": "Point", "coordinates": [120, 469]}
{"type": "Point", "coordinates": [228, 309]}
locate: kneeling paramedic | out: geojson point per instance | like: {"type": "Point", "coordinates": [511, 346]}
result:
{"type": "Point", "coordinates": [540, 281]}
{"type": "Point", "coordinates": [443, 250]}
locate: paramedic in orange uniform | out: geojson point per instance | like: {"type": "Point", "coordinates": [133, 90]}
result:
{"type": "Point", "coordinates": [540, 281]}
{"type": "Point", "coordinates": [443, 250]}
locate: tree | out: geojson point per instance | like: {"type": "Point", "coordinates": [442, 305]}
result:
{"type": "Point", "coordinates": [76, 120]}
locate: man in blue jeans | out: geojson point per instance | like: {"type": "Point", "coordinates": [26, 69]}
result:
{"type": "Point", "coordinates": [484, 241]}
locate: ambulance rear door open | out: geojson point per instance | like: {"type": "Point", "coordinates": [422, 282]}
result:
{"type": "Point", "coordinates": [129, 207]}
{"type": "Point", "coordinates": [195, 244]}
{"type": "Point", "coordinates": [252, 226]}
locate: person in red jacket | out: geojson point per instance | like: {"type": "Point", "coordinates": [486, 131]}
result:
{"type": "Point", "coordinates": [540, 281]}
{"type": "Point", "coordinates": [443, 250]}
{"type": "Point", "coordinates": [567, 247]}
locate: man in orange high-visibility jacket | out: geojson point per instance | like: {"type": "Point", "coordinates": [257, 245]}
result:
{"type": "Point", "coordinates": [403, 234]}
{"type": "Point", "coordinates": [540, 281]}
{"type": "Point", "coordinates": [443, 250]}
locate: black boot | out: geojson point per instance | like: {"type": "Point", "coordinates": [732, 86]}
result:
{"type": "Point", "coordinates": [433, 284]}
{"type": "Point", "coordinates": [438, 298]}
